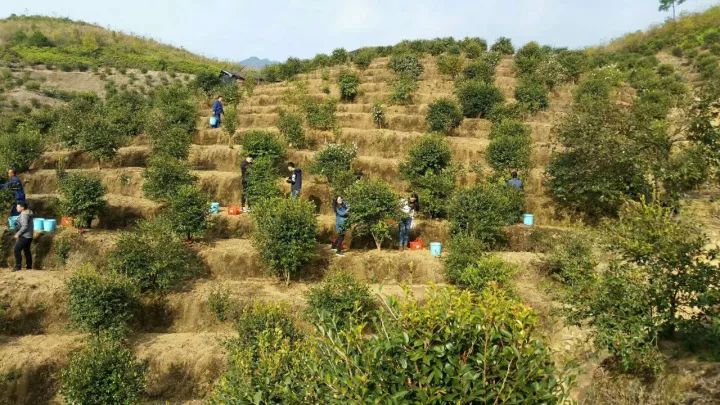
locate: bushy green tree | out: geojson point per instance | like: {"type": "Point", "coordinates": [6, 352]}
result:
{"type": "Point", "coordinates": [532, 94]}
{"type": "Point", "coordinates": [153, 257]}
{"type": "Point", "coordinates": [21, 149]}
{"type": "Point", "coordinates": [260, 144]}
{"type": "Point", "coordinates": [333, 161]}
{"type": "Point", "coordinates": [483, 210]}
{"type": "Point", "coordinates": [443, 115]}
{"type": "Point", "coordinates": [349, 83]}
{"type": "Point", "coordinates": [126, 112]}
{"type": "Point", "coordinates": [167, 139]}
{"type": "Point", "coordinates": [427, 154]}
{"type": "Point", "coordinates": [164, 175]}
{"type": "Point", "coordinates": [339, 56]}
{"type": "Point", "coordinates": [435, 190]}
{"type": "Point", "coordinates": [503, 46]}
{"type": "Point", "coordinates": [187, 211]}
{"type": "Point", "coordinates": [509, 152]}
{"type": "Point", "coordinates": [406, 66]}
{"type": "Point", "coordinates": [82, 197]}
{"type": "Point", "coordinates": [291, 128]}
{"type": "Point", "coordinates": [100, 302]}
{"type": "Point", "coordinates": [450, 65]}
{"type": "Point", "coordinates": [481, 70]}
{"type": "Point", "coordinates": [338, 299]}
{"type": "Point", "coordinates": [104, 372]}
{"type": "Point", "coordinates": [362, 58]}
{"type": "Point", "coordinates": [403, 89]}
{"type": "Point", "coordinates": [262, 181]}
{"type": "Point", "coordinates": [373, 205]}
{"type": "Point", "coordinates": [477, 98]}
{"type": "Point", "coordinates": [285, 235]}
{"type": "Point", "coordinates": [462, 252]}
{"type": "Point", "coordinates": [320, 114]}
{"type": "Point", "coordinates": [529, 58]}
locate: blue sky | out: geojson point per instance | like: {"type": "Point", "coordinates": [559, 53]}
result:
{"type": "Point", "coordinates": [236, 29]}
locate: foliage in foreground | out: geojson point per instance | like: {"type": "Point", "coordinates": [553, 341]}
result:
{"type": "Point", "coordinates": [338, 299]}
{"type": "Point", "coordinates": [455, 346]}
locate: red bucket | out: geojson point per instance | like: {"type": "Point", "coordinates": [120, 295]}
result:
{"type": "Point", "coordinates": [417, 244]}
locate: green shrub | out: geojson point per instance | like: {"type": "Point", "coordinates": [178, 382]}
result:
{"type": "Point", "coordinates": [406, 66]}
{"type": "Point", "coordinates": [510, 128]}
{"type": "Point", "coordinates": [285, 235]}
{"type": "Point", "coordinates": [574, 63]}
{"type": "Point", "coordinates": [229, 121]}
{"type": "Point", "coordinates": [349, 83]}
{"type": "Point", "coordinates": [450, 65]}
{"type": "Point", "coordinates": [503, 46]}
{"type": "Point", "coordinates": [178, 106]}
{"type": "Point", "coordinates": [373, 205]}
{"type": "Point", "coordinates": [258, 317]}
{"type": "Point", "coordinates": [435, 190]}
{"type": "Point", "coordinates": [261, 144]}
{"type": "Point", "coordinates": [165, 138]}
{"type": "Point", "coordinates": [427, 154]}
{"type": "Point", "coordinates": [290, 126]}
{"type": "Point", "coordinates": [262, 181]}
{"type": "Point", "coordinates": [164, 175]}
{"type": "Point", "coordinates": [82, 197]}
{"type": "Point", "coordinates": [529, 58]}
{"type": "Point", "coordinates": [378, 115]}
{"type": "Point", "coordinates": [480, 70]}
{"type": "Point", "coordinates": [478, 98]}
{"type": "Point", "coordinates": [532, 94]}
{"type": "Point", "coordinates": [104, 372]}
{"type": "Point", "coordinates": [402, 91]}
{"type": "Point", "coordinates": [443, 115]}
{"type": "Point", "coordinates": [320, 115]}
{"type": "Point", "coordinates": [487, 270]}
{"type": "Point", "coordinates": [363, 58]}
{"type": "Point", "coordinates": [21, 149]}
{"type": "Point", "coordinates": [509, 152]}
{"type": "Point", "coordinates": [572, 260]}
{"type": "Point", "coordinates": [339, 56]}
{"type": "Point", "coordinates": [483, 210]}
{"type": "Point", "coordinates": [187, 211]}
{"type": "Point", "coordinates": [511, 111]}
{"type": "Point", "coordinates": [154, 258]}
{"type": "Point", "coordinates": [222, 304]}
{"type": "Point", "coordinates": [126, 111]}
{"type": "Point", "coordinates": [101, 302]}
{"type": "Point", "coordinates": [333, 160]}
{"type": "Point", "coordinates": [337, 299]}
{"type": "Point", "coordinates": [462, 252]}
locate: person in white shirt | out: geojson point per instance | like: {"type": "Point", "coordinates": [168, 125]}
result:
{"type": "Point", "coordinates": [408, 206]}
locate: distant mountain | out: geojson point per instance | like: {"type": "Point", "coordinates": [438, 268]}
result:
{"type": "Point", "coordinates": [257, 63]}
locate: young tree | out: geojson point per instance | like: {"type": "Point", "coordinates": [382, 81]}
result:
{"type": "Point", "coordinates": [483, 210]}
{"type": "Point", "coordinates": [666, 5]}
{"type": "Point", "coordinates": [164, 175]}
{"type": "Point", "coordinates": [187, 211]}
{"type": "Point", "coordinates": [373, 204]}
{"type": "Point", "coordinates": [285, 234]}
{"type": "Point", "coordinates": [443, 115]}
{"type": "Point", "coordinates": [82, 197]}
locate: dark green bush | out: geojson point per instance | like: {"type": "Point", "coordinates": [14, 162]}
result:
{"type": "Point", "coordinates": [339, 56]}
{"type": "Point", "coordinates": [349, 83]}
{"type": "Point", "coordinates": [290, 126]}
{"type": "Point", "coordinates": [363, 58]}
{"type": "Point", "coordinates": [262, 181]}
{"type": "Point", "coordinates": [450, 65]}
{"type": "Point", "coordinates": [126, 111]}
{"type": "Point", "coordinates": [320, 114]}
{"type": "Point", "coordinates": [154, 258]}
{"type": "Point", "coordinates": [529, 57]}
{"type": "Point", "coordinates": [101, 302]}
{"type": "Point", "coordinates": [403, 89]}
{"type": "Point", "coordinates": [503, 46]}
{"type": "Point", "coordinates": [406, 66]}
{"type": "Point", "coordinates": [532, 94]}
{"type": "Point", "coordinates": [435, 190]}
{"type": "Point", "coordinates": [164, 175]}
{"type": "Point", "coordinates": [511, 111]}
{"type": "Point", "coordinates": [428, 154]}
{"type": "Point", "coordinates": [572, 259]}
{"type": "Point", "coordinates": [478, 98]}
{"type": "Point", "coordinates": [486, 270]}
{"type": "Point", "coordinates": [187, 211]}
{"type": "Point", "coordinates": [482, 211]}
{"type": "Point", "coordinates": [263, 145]}
{"type": "Point", "coordinates": [443, 115]}
{"type": "Point", "coordinates": [165, 137]}
{"type": "Point", "coordinates": [104, 372]}
{"type": "Point", "coordinates": [285, 235]}
{"type": "Point", "coordinates": [480, 70]}
{"type": "Point", "coordinates": [337, 299]}
{"type": "Point", "coordinates": [21, 149]}
{"type": "Point", "coordinates": [510, 128]}
{"type": "Point", "coordinates": [462, 252]}
{"type": "Point", "coordinates": [373, 204]}
{"type": "Point", "coordinates": [82, 197]}
{"type": "Point", "coordinates": [333, 160]}
{"type": "Point", "coordinates": [507, 152]}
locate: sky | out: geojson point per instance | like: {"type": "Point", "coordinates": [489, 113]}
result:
{"type": "Point", "coordinates": [237, 29]}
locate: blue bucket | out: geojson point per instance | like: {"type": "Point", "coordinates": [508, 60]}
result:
{"type": "Point", "coordinates": [528, 219]}
{"type": "Point", "coordinates": [38, 224]}
{"type": "Point", "coordinates": [49, 225]}
{"type": "Point", "coordinates": [435, 249]}
{"type": "Point", "coordinates": [213, 121]}
{"type": "Point", "coordinates": [214, 208]}
{"type": "Point", "coordinates": [12, 223]}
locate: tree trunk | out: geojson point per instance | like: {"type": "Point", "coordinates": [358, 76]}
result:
{"type": "Point", "coordinates": [378, 243]}
{"type": "Point", "coordinates": [287, 278]}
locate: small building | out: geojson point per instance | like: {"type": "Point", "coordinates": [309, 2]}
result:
{"type": "Point", "coordinates": [227, 76]}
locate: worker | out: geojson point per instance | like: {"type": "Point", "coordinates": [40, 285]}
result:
{"type": "Point", "coordinates": [295, 180]}
{"type": "Point", "coordinates": [16, 187]}
{"type": "Point", "coordinates": [341, 214]}
{"type": "Point", "coordinates": [408, 207]}
{"type": "Point", "coordinates": [515, 180]}
{"type": "Point", "coordinates": [218, 111]}
{"type": "Point", "coordinates": [244, 176]}
{"type": "Point", "coordinates": [24, 236]}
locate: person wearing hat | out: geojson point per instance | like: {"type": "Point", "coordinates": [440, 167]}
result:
{"type": "Point", "coordinates": [15, 185]}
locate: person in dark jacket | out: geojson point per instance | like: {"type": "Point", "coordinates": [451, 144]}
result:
{"type": "Point", "coordinates": [15, 185]}
{"type": "Point", "coordinates": [218, 111]}
{"type": "Point", "coordinates": [341, 213]}
{"type": "Point", "coordinates": [515, 181]}
{"type": "Point", "coordinates": [295, 180]}
{"type": "Point", "coordinates": [244, 175]}
{"type": "Point", "coordinates": [24, 236]}
{"type": "Point", "coordinates": [408, 207]}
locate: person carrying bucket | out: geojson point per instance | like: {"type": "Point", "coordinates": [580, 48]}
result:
{"type": "Point", "coordinates": [408, 208]}
{"type": "Point", "coordinates": [341, 213]}
{"type": "Point", "coordinates": [295, 180]}
{"type": "Point", "coordinates": [244, 176]}
{"type": "Point", "coordinates": [15, 185]}
{"type": "Point", "coordinates": [218, 111]}
{"type": "Point", "coordinates": [515, 181]}
{"type": "Point", "coordinates": [24, 236]}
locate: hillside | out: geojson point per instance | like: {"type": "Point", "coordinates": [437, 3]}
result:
{"type": "Point", "coordinates": [179, 329]}
{"type": "Point", "coordinates": [74, 45]}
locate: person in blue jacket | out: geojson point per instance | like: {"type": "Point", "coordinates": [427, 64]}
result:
{"type": "Point", "coordinates": [295, 180]}
{"type": "Point", "coordinates": [15, 185]}
{"type": "Point", "coordinates": [515, 180]}
{"type": "Point", "coordinates": [341, 213]}
{"type": "Point", "coordinates": [218, 111]}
